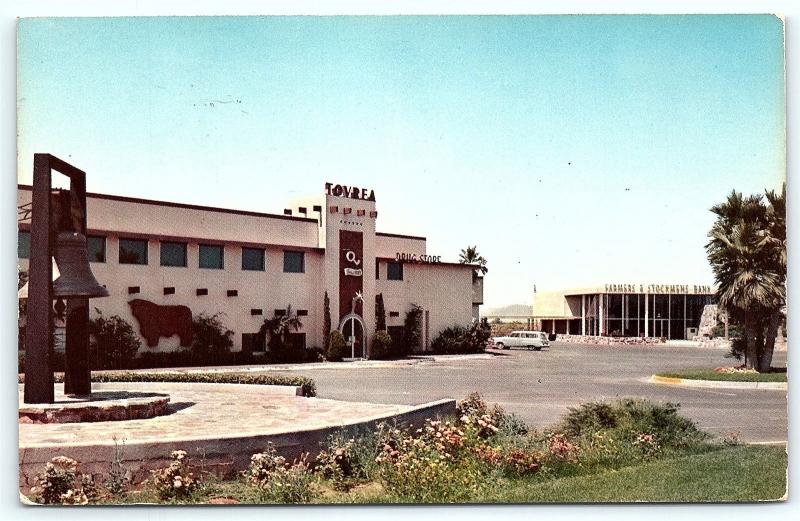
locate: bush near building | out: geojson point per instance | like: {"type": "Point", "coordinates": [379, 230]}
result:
{"type": "Point", "coordinates": [460, 340]}
{"type": "Point", "coordinates": [381, 346]}
{"type": "Point", "coordinates": [337, 347]}
{"type": "Point", "coordinates": [211, 340]}
{"type": "Point", "coordinates": [113, 344]}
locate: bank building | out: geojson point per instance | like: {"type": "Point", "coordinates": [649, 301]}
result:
{"type": "Point", "coordinates": [251, 266]}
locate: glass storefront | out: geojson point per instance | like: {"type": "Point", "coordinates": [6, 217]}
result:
{"type": "Point", "coordinates": [624, 314]}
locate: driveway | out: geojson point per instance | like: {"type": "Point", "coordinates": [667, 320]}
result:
{"type": "Point", "coordinates": [539, 386]}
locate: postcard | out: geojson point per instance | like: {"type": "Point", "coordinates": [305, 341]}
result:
{"type": "Point", "coordinates": [402, 259]}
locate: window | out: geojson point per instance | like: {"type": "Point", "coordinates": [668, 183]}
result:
{"type": "Point", "coordinates": [253, 259]}
{"type": "Point", "coordinates": [24, 245]}
{"type": "Point", "coordinates": [132, 251]}
{"type": "Point", "coordinates": [294, 262]}
{"type": "Point", "coordinates": [212, 257]}
{"type": "Point", "coordinates": [96, 245]}
{"type": "Point", "coordinates": [169, 291]}
{"type": "Point", "coordinates": [173, 254]}
{"type": "Point", "coordinates": [132, 290]}
{"type": "Point", "coordinates": [255, 312]}
{"type": "Point", "coordinates": [394, 271]}
{"type": "Point", "coordinates": [377, 270]}
{"type": "Point", "coordinates": [233, 292]}
{"type": "Point", "coordinates": [201, 292]}
{"type": "Point", "coordinates": [302, 312]}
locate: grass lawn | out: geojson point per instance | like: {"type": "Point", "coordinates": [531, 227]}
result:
{"type": "Point", "coordinates": [709, 374]}
{"type": "Point", "coordinates": [746, 473]}
{"type": "Point", "coordinates": [740, 473]}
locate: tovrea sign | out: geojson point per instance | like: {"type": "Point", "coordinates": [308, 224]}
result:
{"type": "Point", "coordinates": [351, 192]}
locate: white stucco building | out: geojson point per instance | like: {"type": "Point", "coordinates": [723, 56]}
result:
{"type": "Point", "coordinates": [251, 265]}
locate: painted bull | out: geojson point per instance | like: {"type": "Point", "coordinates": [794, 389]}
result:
{"type": "Point", "coordinates": [156, 321]}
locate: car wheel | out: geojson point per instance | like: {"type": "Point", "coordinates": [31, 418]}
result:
{"type": "Point", "coordinates": [501, 346]}
{"type": "Point", "coordinates": [538, 348]}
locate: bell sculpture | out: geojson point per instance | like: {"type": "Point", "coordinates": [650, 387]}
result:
{"type": "Point", "coordinates": [76, 279]}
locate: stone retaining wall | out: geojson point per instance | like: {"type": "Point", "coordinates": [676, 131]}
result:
{"type": "Point", "coordinates": [608, 340]}
{"type": "Point", "coordinates": [222, 456]}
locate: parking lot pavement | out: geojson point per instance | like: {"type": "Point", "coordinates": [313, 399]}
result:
{"type": "Point", "coordinates": [541, 385]}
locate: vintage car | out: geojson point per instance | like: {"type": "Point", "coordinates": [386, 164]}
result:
{"type": "Point", "coordinates": [535, 340]}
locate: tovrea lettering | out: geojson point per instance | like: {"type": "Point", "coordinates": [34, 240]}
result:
{"type": "Point", "coordinates": [351, 192]}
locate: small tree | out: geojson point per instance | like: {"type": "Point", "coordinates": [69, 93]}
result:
{"type": "Point", "coordinates": [211, 340]}
{"type": "Point", "coordinates": [412, 329]}
{"type": "Point", "coordinates": [380, 313]}
{"type": "Point", "coordinates": [336, 346]}
{"type": "Point", "coordinates": [326, 326]}
{"type": "Point", "coordinates": [113, 343]}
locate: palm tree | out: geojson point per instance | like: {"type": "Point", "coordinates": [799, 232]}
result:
{"type": "Point", "coordinates": [279, 327]}
{"type": "Point", "coordinates": [745, 251]}
{"type": "Point", "coordinates": [470, 255]}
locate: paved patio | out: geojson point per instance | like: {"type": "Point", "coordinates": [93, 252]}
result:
{"type": "Point", "coordinates": [222, 424]}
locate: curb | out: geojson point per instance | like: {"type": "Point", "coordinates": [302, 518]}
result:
{"type": "Point", "coordinates": [716, 384]}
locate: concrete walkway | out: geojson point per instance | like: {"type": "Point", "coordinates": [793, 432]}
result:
{"type": "Point", "coordinates": [222, 424]}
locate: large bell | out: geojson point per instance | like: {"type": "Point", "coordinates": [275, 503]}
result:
{"type": "Point", "coordinates": [76, 279]}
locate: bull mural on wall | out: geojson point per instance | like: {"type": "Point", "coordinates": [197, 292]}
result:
{"type": "Point", "coordinates": [156, 321]}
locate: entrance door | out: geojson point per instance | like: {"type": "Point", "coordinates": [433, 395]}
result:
{"type": "Point", "coordinates": [660, 328]}
{"type": "Point", "coordinates": [353, 331]}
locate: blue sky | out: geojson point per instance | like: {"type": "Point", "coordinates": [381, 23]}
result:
{"type": "Point", "coordinates": [572, 150]}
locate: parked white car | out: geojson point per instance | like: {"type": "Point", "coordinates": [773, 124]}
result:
{"type": "Point", "coordinates": [531, 339]}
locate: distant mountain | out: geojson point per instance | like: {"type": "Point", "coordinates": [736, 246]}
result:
{"type": "Point", "coordinates": [514, 310]}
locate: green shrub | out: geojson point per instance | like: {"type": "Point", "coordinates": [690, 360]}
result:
{"type": "Point", "coordinates": [113, 343]}
{"type": "Point", "coordinates": [211, 340]}
{"type": "Point", "coordinates": [381, 346]}
{"type": "Point", "coordinates": [628, 419]}
{"type": "Point", "coordinates": [337, 347]}
{"type": "Point", "coordinates": [449, 341]}
{"type": "Point", "coordinates": [458, 339]}
{"type": "Point", "coordinates": [307, 386]}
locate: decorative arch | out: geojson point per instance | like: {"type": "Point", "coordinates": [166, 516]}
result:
{"type": "Point", "coordinates": [346, 333]}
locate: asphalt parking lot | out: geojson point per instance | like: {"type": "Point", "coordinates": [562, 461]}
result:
{"type": "Point", "coordinates": [540, 385]}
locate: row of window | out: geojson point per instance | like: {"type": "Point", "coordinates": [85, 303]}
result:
{"type": "Point", "coordinates": [135, 251]}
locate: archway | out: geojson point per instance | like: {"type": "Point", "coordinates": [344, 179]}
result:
{"type": "Point", "coordinates": [355, 333]}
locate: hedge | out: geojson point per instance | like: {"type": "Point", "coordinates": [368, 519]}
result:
{"type": "Point", "coordinates": [307, 386]}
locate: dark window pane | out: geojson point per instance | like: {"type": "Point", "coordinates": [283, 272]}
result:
{"type": "Point", "coordinates": [132, 251]}
{"type": "Point", "coordinates": [294, 262]}
{"type": "Point", "coordinates": [173, 254]}
{"type": "Point", "coordinates": [394, 271]}
{"type": "Point", "coordinates": [253, 259]}
{"type": "Point", "coordinates": [96, 245]}
{"type": "Point", "coordinates": [24, 245]}
{"type": "Point", "coordinates": [212, 257]}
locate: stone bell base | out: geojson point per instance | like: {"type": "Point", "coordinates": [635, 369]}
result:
{"type": "Point", "coordinates": [100, 406]}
